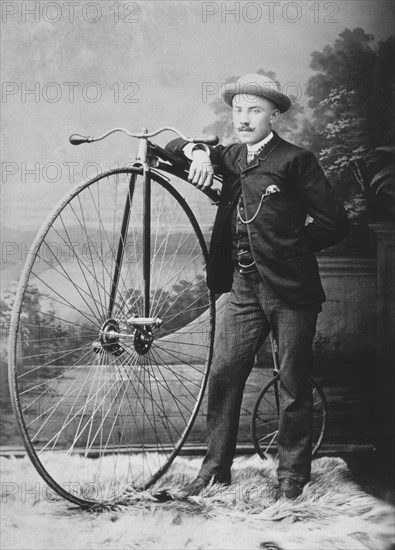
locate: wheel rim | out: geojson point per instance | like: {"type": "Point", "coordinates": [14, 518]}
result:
{"type": "Point", "coordinates": [265, 419]}
{"type": "Point", "coordinates": [86, 384]}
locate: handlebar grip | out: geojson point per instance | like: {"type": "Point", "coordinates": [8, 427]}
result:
{"type": "Point", "coordinates": [76, 139]}
{"type": "Point", "coordinates": [208, 140]}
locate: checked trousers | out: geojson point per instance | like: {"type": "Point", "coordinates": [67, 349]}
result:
{"type": "Point", "coordinates": [253, 309]}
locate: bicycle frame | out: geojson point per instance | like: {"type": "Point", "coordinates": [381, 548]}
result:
{"type": "Point", "coordinates": [147, 156]}
{"type": "Point", "coordinates": [274, 349]}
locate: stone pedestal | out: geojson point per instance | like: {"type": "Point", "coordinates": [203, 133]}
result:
{"type": "Point", "coordinates": [385, 235]}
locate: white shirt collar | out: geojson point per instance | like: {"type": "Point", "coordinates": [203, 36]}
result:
{"type": "Point", "coordinates": [262, 143]}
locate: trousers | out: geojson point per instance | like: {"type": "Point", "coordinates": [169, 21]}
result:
{"type": "Point", "coordinates": [252, 310]}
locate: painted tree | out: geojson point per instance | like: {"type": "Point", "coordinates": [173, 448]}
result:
{"type": "Point", "coordinates": [352, 97]}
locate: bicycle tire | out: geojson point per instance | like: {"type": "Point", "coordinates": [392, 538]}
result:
{"type": "Point", "coordinates": [264, 421]}
{"type": "Point", "coordinates": [98, 421]}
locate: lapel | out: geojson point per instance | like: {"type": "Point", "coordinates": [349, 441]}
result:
{"type": "Point", "coordinates": [266, 151]}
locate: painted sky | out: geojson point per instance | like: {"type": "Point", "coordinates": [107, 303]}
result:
{"type": "Point", "coordinates": [96, 65]}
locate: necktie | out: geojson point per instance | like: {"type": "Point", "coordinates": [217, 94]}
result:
{"type": "Point", "coordinates": [252, 154]}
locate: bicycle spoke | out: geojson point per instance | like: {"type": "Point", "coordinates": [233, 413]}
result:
{"type": "Point", "coordinates": [86, 268]}
{"type": "Point", "coordinates": [77, 287]}
{"type": "Point", "coordinates": [66, 302]}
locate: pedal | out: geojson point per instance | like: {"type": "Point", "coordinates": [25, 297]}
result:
{"type": "Point", "coordinates": [97, 347]}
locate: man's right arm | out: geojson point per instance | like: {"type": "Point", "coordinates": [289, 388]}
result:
{"type": "Point", "coordinates": [203, 159]}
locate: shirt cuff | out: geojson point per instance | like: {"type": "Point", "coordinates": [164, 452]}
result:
{"type": "Point", "coordinates": [191, 147]}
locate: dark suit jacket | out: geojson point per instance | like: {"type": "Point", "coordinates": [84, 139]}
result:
{"type": "Point", "coordinates": [282, 245]}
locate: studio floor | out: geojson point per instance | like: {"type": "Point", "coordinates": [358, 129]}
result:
{"type": "Point", "coordinates": [333, 512]}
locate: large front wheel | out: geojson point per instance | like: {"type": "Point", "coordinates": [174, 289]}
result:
{"type": "Point", "coordinates": [104, 405]}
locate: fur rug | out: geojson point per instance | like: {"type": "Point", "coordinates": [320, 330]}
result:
{"type": "Point", "coordinates": [333, 513]}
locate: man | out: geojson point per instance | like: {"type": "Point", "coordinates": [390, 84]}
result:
{"type": "Point", "coordinates": [262, 253]}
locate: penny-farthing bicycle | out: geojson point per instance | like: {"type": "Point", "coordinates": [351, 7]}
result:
{"type": "Point", "coordinates": [112, 331]}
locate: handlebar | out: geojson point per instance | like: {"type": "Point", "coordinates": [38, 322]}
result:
{"type": "Point", "coordinates": [213, 194]}
{"type": "Point", "coordinates": [77, 139]}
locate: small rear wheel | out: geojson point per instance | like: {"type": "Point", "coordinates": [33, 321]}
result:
{"type": "Point", "coordinates": [265, 418]}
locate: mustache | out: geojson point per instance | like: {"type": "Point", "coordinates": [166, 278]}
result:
{"type": "Point", "coordinates": [245, 129]}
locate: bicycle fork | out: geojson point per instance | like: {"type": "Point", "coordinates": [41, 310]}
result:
{"type": "Point", "coordinates": [121, 246]}
{"type": "Point", "coordinates": [111, 331]}
{"type": "Point", "coordinates": [276, 370]}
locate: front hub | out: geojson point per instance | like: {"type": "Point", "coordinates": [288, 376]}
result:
{"type": "Point", "coordinates": [112, 335]}
{"type": "Point", "coordinates": [109, 337]}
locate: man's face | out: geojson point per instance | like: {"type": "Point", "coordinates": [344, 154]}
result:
{"type": "Point", "coordinates": [253, 117]}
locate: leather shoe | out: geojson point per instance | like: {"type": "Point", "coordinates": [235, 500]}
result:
{"type": "Point", "coordinates": [289, 489]}
{"type": "Point", "coordinates": [222, 479]}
